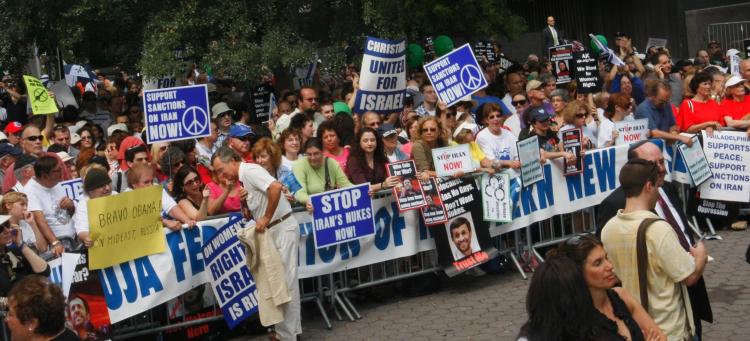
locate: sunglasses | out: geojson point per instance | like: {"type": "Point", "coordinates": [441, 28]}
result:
{"type": "Point", "coordinates": [246, 138]}
{"type": "Point", "coordinates": [35, 138]}
{"type": "Point", "coordinates": [517, 103]}
{"type": "Point", "coordinates": [224, 114]}
{"type": "Point", "coordinates": [424, 130]}
{"type": "Point", "coordinates": [582, 115]}
{"type": "Point", "coordinates": [194, 181]}
{"type": "Point", "coordinates": [177, 164]}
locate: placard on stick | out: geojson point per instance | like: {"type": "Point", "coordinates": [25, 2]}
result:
{"type": "Point", "coordinates": [408, 193]}
{"type": "Point", "coordinates": [530, 158]}
{"type": "Point", "coordinates": [696, 162]}
{"type": "Point", "coordinates": [573, 143]}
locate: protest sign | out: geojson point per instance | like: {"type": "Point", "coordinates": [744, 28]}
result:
{"type": "Point", "coordinates": [560, 57]}
{"type": "Point", "coordinates": [408, 193]}
{"type": "Point", "coordinates": [451, 160]}
{"type": "Point", "coordinates": [530, 158]}
{"type": "Point", "coordinates": [176, 113]}
{"type": "Point", "coordinates": [587, 72]}
{"type": "Point", "coordinates": [572, 143]}
{"type": "Point", "coordinates": [159, 83]}
{"type": "Point", "coordinates": [62, 270]}
{"type": "Point", "coordinates": [39, 99]}
{"type": "Point", "coordinates": [434, 211]}
{"type": "Point", "coordinates": [496, 197]}
{"type": "Point", "coordinates": [465, 242]}
{"type": "Point", "coordinates": [232, 283]}
{"type": "Point", "coordinates": [734, 64]}
{"type": "Point", "coordinates": [631, 131]}
{"type": "Point", "coordinates": [655, 42]}
{"type": "Point", "coordinates": [429, 49]}
{"type": "Point", "coordinates": [455, 75]}
{"type": "Point", "coordinates": [63, 95]}
{"type": "Point", "coordinates": [143, 283]}
{"type": "Point", "coordinates": [727, 153]}
{"type": "Point", "coordinates": [504, 64]}
{"type": "Point", "coordinates": [125, 226]}
{"type": "Point", "coordinates": [73, 188]}
{"type": "Point", "coordinates": [746, 45]}
{"type": "Point", "coordinates": [196, 304]}
{"type": "Point", "coordinates": [484, 49]}
{"type": "Point", "coordinates": [342, 215]}
{"type": "Point", "coordinates": [87, 311]}
{"type": "Point", "coordinates": [304, 75]}
{"type": "Point", "coordinates": [696, 162]}
{"type": "Point", "coordinates": [382, 79]}
{"type": "Point", "coordinates": [261, 99]}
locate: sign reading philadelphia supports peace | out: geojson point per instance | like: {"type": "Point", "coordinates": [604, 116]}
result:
{"type": "Point", "coordinates": [342, 215]}
{"type": "Point", "coordinates": [456, 75]}
{"type": "Point", "coordinates": [382, 79]}
{"type": "Point", "coordinates": [176, 113]}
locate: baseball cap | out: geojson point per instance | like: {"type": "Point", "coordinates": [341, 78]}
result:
{"type": "Point", "coordinates": [732, 52]}
{"type": "Point", "coordinates": [533, 85]}
{"type": "Point", "coordinates": [9, 149]}
{"type": "Point", "coordinates": [13, 127]}
{"type": "Point", "coordinates": [538, 114]}
{"type": "Point", "coordinates": [115, 127]}
{"type": "Point", "coordinates": [23, 161]}
{"type": "Point", "coordinates": [64, 156]}
{"type": "Point", "coordinates": [74, 138]}
{"type": "Point", "coordinates": [387, 130]}
{"type": "Point", "coordinates": [732, 81]}
{"type": "Point", "coordinates": [341, 107]}
{"type": "Point", "coordinates": [464, 126]}
{"type": "Point", "coordinates": [220, 108]}
{"type": "Point", "coordinates": [240, 130]}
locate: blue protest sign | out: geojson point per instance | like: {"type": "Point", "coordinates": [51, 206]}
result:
{"type": "Point", "coordinates": [73, 188]}
{"type": "Point", "coordinates": [342, 215]}
{"type": "Point", "coordinates": [232, 283]}
{"type": "Point", "coordinates": [382, 79]}
{"type": "Point", "coordinates": [176, 113]}
{"type": "Point", "coordinates": [456, 75]}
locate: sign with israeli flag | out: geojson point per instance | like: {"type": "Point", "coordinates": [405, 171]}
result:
{"type": "Point", "coordinates": [456, 75]}
{"type": "Point", "coordinates": [177, 113]}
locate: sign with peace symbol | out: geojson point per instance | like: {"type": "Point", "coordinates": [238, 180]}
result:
{"type": "Point", "coordinates": [177, 113]}
{"type": "Point", "coordinates": [194, 120]}
{"type": "Point", "coordinates": [40, 95]}
{"type": "Point", "coordinates": [471, 77]}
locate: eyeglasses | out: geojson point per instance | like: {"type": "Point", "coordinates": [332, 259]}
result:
{"type": "Point", "coordinates": [424, 130]}
{"type": "Point", "coordinates": [582, 115]}
{"type": "Point", "coordinates": [35, 138]}
{"type": "Point", "coordinates": [450, 114]}
{"type": "Point", "coordinates": [517, 103]}
{"type": "Point", "coordinates": [194, 181]}
{"type": "Point", "coordinates": [86, 138]}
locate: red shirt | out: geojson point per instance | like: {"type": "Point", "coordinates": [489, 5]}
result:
{"type": "Point", "coordinates": [737, 110]}
{"type": "Point", "coordinates": [699, 113]}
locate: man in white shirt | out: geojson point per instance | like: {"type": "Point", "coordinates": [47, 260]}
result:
{"type": "Point", "coordinates": [272, 214]}
{"type": "Point", "coordinates": [51, 208]}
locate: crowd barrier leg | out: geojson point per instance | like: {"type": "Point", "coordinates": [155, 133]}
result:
{"type": "Point", "coordinates": [504, 248]}
{"type": "Point", "coordinates": [713, 234]}
{"type": "Point", "coordinates": [316, 295]}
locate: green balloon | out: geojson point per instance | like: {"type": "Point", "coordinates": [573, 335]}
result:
{"type": "Point", "coordinates": [414, 55]}
{"type": "Point", "coordinates": [442, 45]}
{"type": "Point", "coordinates": [601, 39]}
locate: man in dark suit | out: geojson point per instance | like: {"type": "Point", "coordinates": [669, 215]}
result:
{"type": "Point", "coordinates": [551, 35]}
{"type": "Point", "coordinates": [669, 208]}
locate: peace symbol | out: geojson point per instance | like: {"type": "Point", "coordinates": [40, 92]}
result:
{"type": "Point", "coordinates": [40, 95]}
{"type": "Point", "coordinates": [471, 78]}
{"type": "Point", "coordinates": [194, 120]}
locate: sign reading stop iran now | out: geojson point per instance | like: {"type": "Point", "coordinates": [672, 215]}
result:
{"type": "Point", "coordinates": [382, 79]}
{"type": "Point", "coordinates": [631, 131]}
{"type": "Point", "coordinates": [696, 162]}
{"type": "Point", "coordinates": [125, 226]}
{"type": "Point", "coordinates": [451, 160]}
{"type": "Point", "coordinates": [41, 102]}
{"type": "Point", "coordinates": [530, 156]}
{"type": "Point", "coordinates": [342, 215]}
{"type": "Point", "coordinates": [178, 113]}
{"type": "Point", "coordinates": [456, 75]}
{"type": "Point", "coordinates": [728, 153]}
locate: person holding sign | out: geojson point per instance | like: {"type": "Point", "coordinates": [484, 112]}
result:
{"type": "Point", "coordinates": [700, 112]}
{"type": "Point", "coordinates": [96, 184]}
{"type": "Point", "coordinates": [430, 135]}
{"type": "Point", "coordinates": [657, 109]}
{"type": "Point", "coordinates": [367, 162]}
{"type": "Point", "coordinates": [549, 143]}
{"type": "Point", "coordinates": [464, 134]}
{"type": "Point", "coordinates": [574, 115]}
{"type": "Point", "coordinates": [272, 215]}
{"type": "Point", "coordinates": [317, 173]}
{"type": "Point", "coordinates": [617, 110]}
{"type": "Point", "coordinates": [497, 143]}
{"type": "Point", "coordinates": [142, 176]}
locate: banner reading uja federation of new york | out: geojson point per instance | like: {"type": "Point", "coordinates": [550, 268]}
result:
{"type": "Point", "coordinates": [382, 79]}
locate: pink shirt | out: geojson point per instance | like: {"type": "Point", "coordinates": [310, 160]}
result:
{"type": "Point", "coordinates": [341, 159]}
{"type": "Point", "coordinates": [231, 204]}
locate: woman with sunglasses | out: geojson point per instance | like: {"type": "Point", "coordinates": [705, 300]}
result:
{"type": "Point", "coordinates": [87, 138]}
{"type": "Point", "coordinates": [430, 135]}
{"type": "Point", "coordinates": [520, 103]}
{"type": "Point", "coordinates": [496, 141]}
{"type": "Point", "coordinates": [190, 193]}
{"type": "Point", "coordinates": [618, 109]}
{"type": "Point", "coordinates": [17, 259]}
{"type": "Point", "coordinates": [574, 115]}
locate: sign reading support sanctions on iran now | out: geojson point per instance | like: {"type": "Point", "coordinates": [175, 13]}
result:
{"type": "Point", "coordinates": [176, 113]}
{"type": "Point", "coordinates": [695, 161]}
{"type": "Point", "coordinates": [41, 102]}
{"type": "Point", "coordinates": [342, 215]}
{"type": "Point", "coordinates": [631, 131]}
{"type": "Point", "coordinates": [456, 75]}
{"type": "Point", "coordinates": [232, 283]}
{"type": "Point", "coordinates": [382, 79]}
{"type": "Point", "coordinates": [728, 154]}
{"type": "Point", "coordinates": [451, 160]}
{"type": "Point", "coordinates": [125, 226]}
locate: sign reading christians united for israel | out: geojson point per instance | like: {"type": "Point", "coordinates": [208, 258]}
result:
{"type": "Point", "coordinates": [232, 283]}
{"type": "Point", "coordinates": [456, 75]}
{"type": "Point", "coordinates": [382, 79]}
{"type": "Point", "coordinates": [176, 113]}
{"type": "Point", "coordinates": [342, 215]}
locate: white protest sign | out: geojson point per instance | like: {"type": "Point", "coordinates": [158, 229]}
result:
{"type": "Point", "coordinates": [529, 155]}
{"type": "Point", "coordinates": [382, 79]}
{"type": "Point", "coordinates": [728, 153]}
{"type": "Point", "coordinates": [696, 162]}
{"type": "Point", "coordinates": [631, 131]}
{"type": "Point", "coordinates": [62, 270]}
{"type": "Point", "coordinates": [451, 160]}
{"type": "Point", "coordinates": [655, 42]}
{"type": "Point", "coordinates": [496, 204]}
{"type": "Point", "coordinates": [63, 95]}
{"type": "Point", "coordinates": [734, 64]}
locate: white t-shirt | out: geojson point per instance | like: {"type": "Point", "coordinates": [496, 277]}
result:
{"type": "Point", "coordinates": [46, 200]}
{"type": "Point", "coordinates": [497, 147]}
{"type": "Point", "coordinates": [605, 132]}
{"type": "Point", "coordinates": [286, 162]}
{"type": "Point", "coordinates": [256, 180]}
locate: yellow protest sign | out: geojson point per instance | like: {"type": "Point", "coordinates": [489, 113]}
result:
{"type": "Point", "coordinates": [125, 226]}
{"type": "Point", "coordinates": [41, 102]}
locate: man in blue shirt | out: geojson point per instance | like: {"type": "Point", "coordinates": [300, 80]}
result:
{"type": "Point", "coordinates": [657, 109]}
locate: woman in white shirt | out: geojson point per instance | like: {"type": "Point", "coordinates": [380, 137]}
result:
{"type": "Point", "coordinates": [617, 110]}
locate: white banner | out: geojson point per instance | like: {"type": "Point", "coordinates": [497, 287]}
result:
{"type": "Point", "coordinates": [728, 153]}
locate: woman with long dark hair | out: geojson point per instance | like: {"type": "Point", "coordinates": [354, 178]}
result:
{"type": "Point", "coordinates": [367, 162]}
{"type": "Point", "coordinates": [190, 193]}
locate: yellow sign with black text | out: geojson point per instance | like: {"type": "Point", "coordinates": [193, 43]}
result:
{"type": "Point", "coordinates": [41, 102]}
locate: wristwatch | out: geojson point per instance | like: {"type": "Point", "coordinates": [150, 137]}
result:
{"type": "Point", "coordinates": [55, 243]}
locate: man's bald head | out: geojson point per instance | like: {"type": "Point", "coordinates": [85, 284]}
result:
{"type": "Point", "coordinates": [648, 150]}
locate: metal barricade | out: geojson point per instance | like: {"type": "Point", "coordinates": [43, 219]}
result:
{"type": "Point", "coordinates": [729, 34]}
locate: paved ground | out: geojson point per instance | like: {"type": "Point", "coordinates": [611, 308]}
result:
{"type": "Point", "coordinates": [493, 307]}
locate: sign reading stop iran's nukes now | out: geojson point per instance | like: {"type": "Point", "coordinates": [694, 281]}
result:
{"type": "Point", "coordinates": [382, 79]}
{"type": "Point", "coordinates": [342, 215]}
{"type": "Point", "coordinates": [176, 113]}
{"type": "Point", "coordinates": [728, 154]}
{"type": "Point", "coordinates": [631, 131]}
{"type": "Point", "coordinates": [456, 75]}
{"type": "Point", "coordinates": [451, 160]}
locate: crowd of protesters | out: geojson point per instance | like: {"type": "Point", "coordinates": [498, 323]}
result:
{"type": "Point", "coordinates": [314, 142]}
